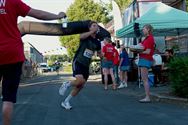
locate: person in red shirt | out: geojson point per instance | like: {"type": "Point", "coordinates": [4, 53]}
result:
{"type": "Point", "coordinates": [108, 53]}
{"type": "Point", "coordinates": [116, 64]}
{"type": "Point", "coordinates": [146, 59]}
{"type": "Point", "coordinates": [11, 49]}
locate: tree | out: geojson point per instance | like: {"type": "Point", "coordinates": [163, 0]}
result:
{"type": "Point", "coordinates": [82, 10]}
{"type": "Point", "coordinates": [70, 43]}
{"type": "Point", "coordinates": [123, 4]}
{"type": "Point", "coordinates": [60, 58]}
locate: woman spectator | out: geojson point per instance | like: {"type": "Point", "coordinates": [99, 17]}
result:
{"type": "Point", "coordinates": [116, 64]}
{"type": "Point", "coordinates": [124, 67]}
{"type": "Point", "coordinates": [108, 56]}
{"type": "Point", "coordinates": [146, 59]}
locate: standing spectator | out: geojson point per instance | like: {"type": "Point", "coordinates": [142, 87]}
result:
{"type": "Point", "coordinates": [57, 66]}
{"type": "Point", "coordinates": [156, 68]}
{"type": "Point", "coordinates": [28, 67]}
{"type": "Point", "coordinates": [169, 53]}
{"type": "Point", "coordinates": [82, 59]}
{"type": "Point", "coordinates": [146, 59]}
{"type": "Point", "coordinates": [11, 49]}
{"type": "Point", "coordinates": [25, 68]}
{"type": "Point", "coordinates": [116, 64]}
{"type": "Point", "coordinates": [108, 52]}
{"type": "Point", "coordinates": [35, 69]}
{"type": "Point", "coordinates": [124, 67]}
{"type": "Point", "coordinates": [103, 43]}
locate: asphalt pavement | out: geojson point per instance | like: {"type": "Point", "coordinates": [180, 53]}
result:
{"type": "Point", "coordinates": [39, 104]}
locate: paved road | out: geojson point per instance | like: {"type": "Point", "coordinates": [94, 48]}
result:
{"type": "Point", "coordinates": [39, 104]}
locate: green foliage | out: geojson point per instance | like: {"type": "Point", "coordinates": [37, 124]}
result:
{"type": "Point", "coordinates": [87, 10]}
{"type": "Point", "coordinates": [60, 58]}
{"type": "Point", "coordinates": [50, 62]}
{"type": "Point", "coordinates": [176, 47]}
{"type": "Point", "coordinates": [123, 4]}
{"type": "Point", "coordinates": [82, 10]}
{"type": "Point", "coordinates": [179, 75]}
{"type": "Point", "coordinates": [71, 43]}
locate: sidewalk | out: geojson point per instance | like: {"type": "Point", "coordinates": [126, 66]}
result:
{"type": "Point", "coordinates": [158, 94]}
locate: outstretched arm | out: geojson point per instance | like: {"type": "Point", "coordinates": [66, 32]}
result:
{"type": "Point", "coordinates": [43, 15]}
{"type": "Point", "coordinates": [86, 35]}
{"type": "Point", "coordinates": [92, 31]}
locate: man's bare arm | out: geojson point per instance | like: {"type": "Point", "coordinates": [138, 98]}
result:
{"type": "Point", "coordinates": [43, 15]}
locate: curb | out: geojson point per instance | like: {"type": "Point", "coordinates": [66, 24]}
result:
{"type": "Point", "coordinates": [169, 99]}
{"type": "Point", "coordinates": [161, 98]}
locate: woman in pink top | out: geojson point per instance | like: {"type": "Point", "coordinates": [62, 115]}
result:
{"type": "Point", "coordinates": [146, 59]}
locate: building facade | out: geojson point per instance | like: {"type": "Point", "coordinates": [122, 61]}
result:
{"type": "Point", "coordinates": [32, 54]}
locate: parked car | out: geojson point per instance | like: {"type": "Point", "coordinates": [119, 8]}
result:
{"type": "Point", "coordinates": [43, 67]}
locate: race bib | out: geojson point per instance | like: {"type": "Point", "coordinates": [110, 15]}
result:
{"type": "Point", "coordinates": [88, 53]}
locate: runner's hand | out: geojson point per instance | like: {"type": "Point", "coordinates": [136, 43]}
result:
{"type": "Point", "coordinates": [62, 15]}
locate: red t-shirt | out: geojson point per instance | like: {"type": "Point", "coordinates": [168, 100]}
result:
{"type": "Point", "coordinates": [11, 46]}
{"type": "Point", "coordinates": [116, 58]}
{"type": "Point", "coordinates": [148, 43]}
{"type": "Point", "coordinates": [108, 51]}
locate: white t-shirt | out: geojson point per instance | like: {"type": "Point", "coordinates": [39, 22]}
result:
{"type": "Point", "coordinates": [136, 60]}
{"type": "Point", "coordinates": [157, 59]}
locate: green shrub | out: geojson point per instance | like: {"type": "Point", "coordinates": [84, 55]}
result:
{"type": "Point", "coordinates": [179, 76]}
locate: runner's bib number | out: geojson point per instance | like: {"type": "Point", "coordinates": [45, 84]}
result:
{"type": "Point", "coordinates": [88, 53]}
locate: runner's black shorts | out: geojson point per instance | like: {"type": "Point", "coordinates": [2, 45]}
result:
{"type": "Point", "coordinates": [10, 76]}
{"type": "Point", "coordinates": [80, 69]}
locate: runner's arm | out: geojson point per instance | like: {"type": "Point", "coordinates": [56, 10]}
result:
{"type": "Point", "coordinates": [85, 35]}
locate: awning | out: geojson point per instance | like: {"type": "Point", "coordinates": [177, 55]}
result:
{"type": "Point", "coordinates": [166, 21]}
